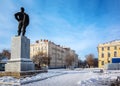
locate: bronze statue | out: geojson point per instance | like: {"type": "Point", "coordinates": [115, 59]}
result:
{"type": "Point", "coordinates": [23, 20]}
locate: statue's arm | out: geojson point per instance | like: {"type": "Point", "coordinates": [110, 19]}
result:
{"type": "Point", "coordinates": [16, 16]}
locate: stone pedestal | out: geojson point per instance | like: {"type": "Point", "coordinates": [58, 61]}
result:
{"type": "Point", "coordinates": [20, 55]}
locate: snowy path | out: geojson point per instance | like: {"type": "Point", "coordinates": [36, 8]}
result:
{"type": "Point", "coordinates": [70, 79]}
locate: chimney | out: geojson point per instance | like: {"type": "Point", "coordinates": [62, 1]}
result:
{"type": "Point", "coordinates": [37, 41]}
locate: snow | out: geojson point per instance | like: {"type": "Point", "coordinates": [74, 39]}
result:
{"type": "Point", "coordinates": [41, 76]}
{"type": "Point", "coordinates": [100, 79]}
{"type": "Point", "coordinates": [66, 77]}
{"type": "Point", "coordinates": [13, 81]}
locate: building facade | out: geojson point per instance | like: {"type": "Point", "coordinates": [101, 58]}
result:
{"type": "Point", "coordinates": [107, 51]}
{"type": "Point", "coordinates": [55, 52]}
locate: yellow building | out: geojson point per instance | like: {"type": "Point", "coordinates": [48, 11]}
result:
{"type": "Point", "coordinates": [107, 51]}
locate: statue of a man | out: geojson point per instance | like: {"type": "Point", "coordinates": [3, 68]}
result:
{"type": "Point", "coordinates": [23, 20]}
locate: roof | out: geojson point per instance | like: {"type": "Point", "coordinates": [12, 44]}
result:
{"type": "Point", "coordinates": [114, 42]}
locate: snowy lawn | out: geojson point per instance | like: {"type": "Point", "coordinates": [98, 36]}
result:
{"type": "Point", "coordinates": [13, 81]}
{"type": "Point", "coordinates": [80, 77]}
{"type": "Point", "coordinates": [65, 77]}
{"type": "Point", "coordinates": [100, 79]}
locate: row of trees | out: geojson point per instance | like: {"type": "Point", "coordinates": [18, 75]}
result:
{"type": "Point", "coordinates": [41, 59]}
{"type": "Point", "coordinates": [90, 61]}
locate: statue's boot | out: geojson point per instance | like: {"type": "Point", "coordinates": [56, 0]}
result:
{"type": "Point", "coordinates": [18, 33]}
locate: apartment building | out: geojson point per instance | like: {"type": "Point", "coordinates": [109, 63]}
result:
{"type": "Point", "coordinates": [56, 52]}
{"type": "Point", "coordinates": [107, 51]}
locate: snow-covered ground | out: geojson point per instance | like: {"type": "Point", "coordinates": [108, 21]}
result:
{"type": "Point", "coordinates": [8, 80]}
{"type": "Point", "coordinates": [65, 77]}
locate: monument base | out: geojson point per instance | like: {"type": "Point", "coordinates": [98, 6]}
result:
{"type": "Point", "coordinates": [19, 65]}
{"type": "Point", "coordinates": [22, 74]}
{"type": "Point", "coordinates": [20, 55]}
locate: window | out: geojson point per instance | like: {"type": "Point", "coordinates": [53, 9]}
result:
{"type": "Point", "coordinates": [108, 54]}
{"type": "Point", "coordinates": [45, 48]}
{"type": "Point", "coordinates": [115, 47]}
{"type": "Point", "coordinates": [115, 54]}
{"type": "Point", "coordinates": [102, 48]}
{"type": "Point", "coordinates": [102, 63]}
{"type": "Point", "coordinates": [102, 55]}
{"type": "Point", "coordinates": [108, 48]}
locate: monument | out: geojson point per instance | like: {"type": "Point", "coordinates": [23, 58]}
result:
{"type": "Point", "coordinates": [20, 48]}
{"type": "Point", "coordinates": [20, 55]}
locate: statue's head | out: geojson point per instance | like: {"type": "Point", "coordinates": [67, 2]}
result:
{"type": "Point", "coordinates": [22, 9]}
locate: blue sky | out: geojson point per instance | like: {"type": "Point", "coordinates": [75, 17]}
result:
{"type": "Point", "coordinates": [78, 24]}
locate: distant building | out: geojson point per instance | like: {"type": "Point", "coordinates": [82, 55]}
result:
{"type": "Point", "coordinates": [3, 61]}
{"type": "Point", "coordinates": [107, 51]}
{"type": "Point", "coordinates": [56, 52]}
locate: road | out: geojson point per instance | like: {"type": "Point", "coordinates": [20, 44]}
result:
{"type": "Point", "coordinates": [70, 79]}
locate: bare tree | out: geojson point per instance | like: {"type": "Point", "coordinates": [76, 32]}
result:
{"type": "Point", "coordinates": [5, 53]}
{"type": "Point", "coordinates": [41, 59]}
{"type": "Point", "coordinates": [90, 60]}
{"type": "Point", "coordinates": [69, 59]}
